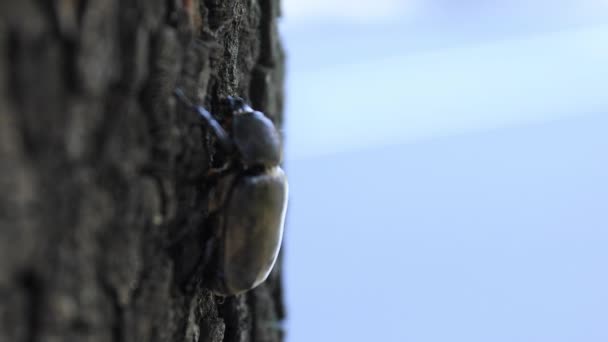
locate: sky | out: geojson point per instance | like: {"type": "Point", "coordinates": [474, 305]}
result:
{"type": "Point", "coordinates": [490, 236]}
{"type": "Point", "coordinates": [447, 167]}
{"type": "Point", "coordinates": [519, 60]}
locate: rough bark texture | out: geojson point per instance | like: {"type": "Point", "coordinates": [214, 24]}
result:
{"type": "Point", "coordinates": [101, 169]}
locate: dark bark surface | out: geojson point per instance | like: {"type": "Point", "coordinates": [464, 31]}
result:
{"type": "Point", "coordinates": [101, 170]}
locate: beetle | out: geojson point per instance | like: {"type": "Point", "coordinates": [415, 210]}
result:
{"type": "Point", "coordinates": [249, 200]}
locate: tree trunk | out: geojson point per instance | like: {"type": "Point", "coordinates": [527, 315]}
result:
{"type": "Point", "coordinates": [101, 169]}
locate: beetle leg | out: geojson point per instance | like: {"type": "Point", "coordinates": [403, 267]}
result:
{"type": "Point", "coordinates": [217, 129]}
{"type": "Point", "coordinates": [217, 171]}
{"type": "Point", "coordinates": [212, 123]}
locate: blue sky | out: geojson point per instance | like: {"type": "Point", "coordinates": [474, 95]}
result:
{"type": "Point", "coordinates": [489, 236]}
{"type": "Point", "coordinates": [448, 173]}
{"type": "Point", "coordinates": [437, 69]}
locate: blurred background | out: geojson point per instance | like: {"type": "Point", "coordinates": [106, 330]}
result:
{"type": "Point", "coordinates": [448, 170]}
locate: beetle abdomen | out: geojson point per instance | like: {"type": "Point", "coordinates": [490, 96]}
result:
{"type": "Point", "coordinates": [253, 219]}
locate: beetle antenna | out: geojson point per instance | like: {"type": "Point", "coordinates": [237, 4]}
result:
{"type": "Point", "coordinates": [215, 126]}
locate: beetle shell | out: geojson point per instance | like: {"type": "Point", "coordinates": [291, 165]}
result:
{"type": "Point", "coordinates": [251, 231]}
{"type": "Point", "coordinates": [256, 138]}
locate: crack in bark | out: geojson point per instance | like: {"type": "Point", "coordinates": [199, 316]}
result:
{"type": "Point", "coordinates": [33, 288]}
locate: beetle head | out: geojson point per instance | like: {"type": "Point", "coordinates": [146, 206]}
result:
{"type": "Point", "coordinates": [237, 105]}
{"type": "Point", "coordinates": [256, 138]}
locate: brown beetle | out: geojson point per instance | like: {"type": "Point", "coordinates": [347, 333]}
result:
{"type": "Point", "coordinates": [248, 202]}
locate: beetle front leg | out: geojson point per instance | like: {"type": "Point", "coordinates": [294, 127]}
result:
{"type": "Point", "coordinates": [211, 122]}
{"type": "Point", "coordinates": [219, 171]}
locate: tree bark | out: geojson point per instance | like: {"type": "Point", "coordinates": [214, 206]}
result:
{"type": "Point", "coordinates": [101, 169]}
